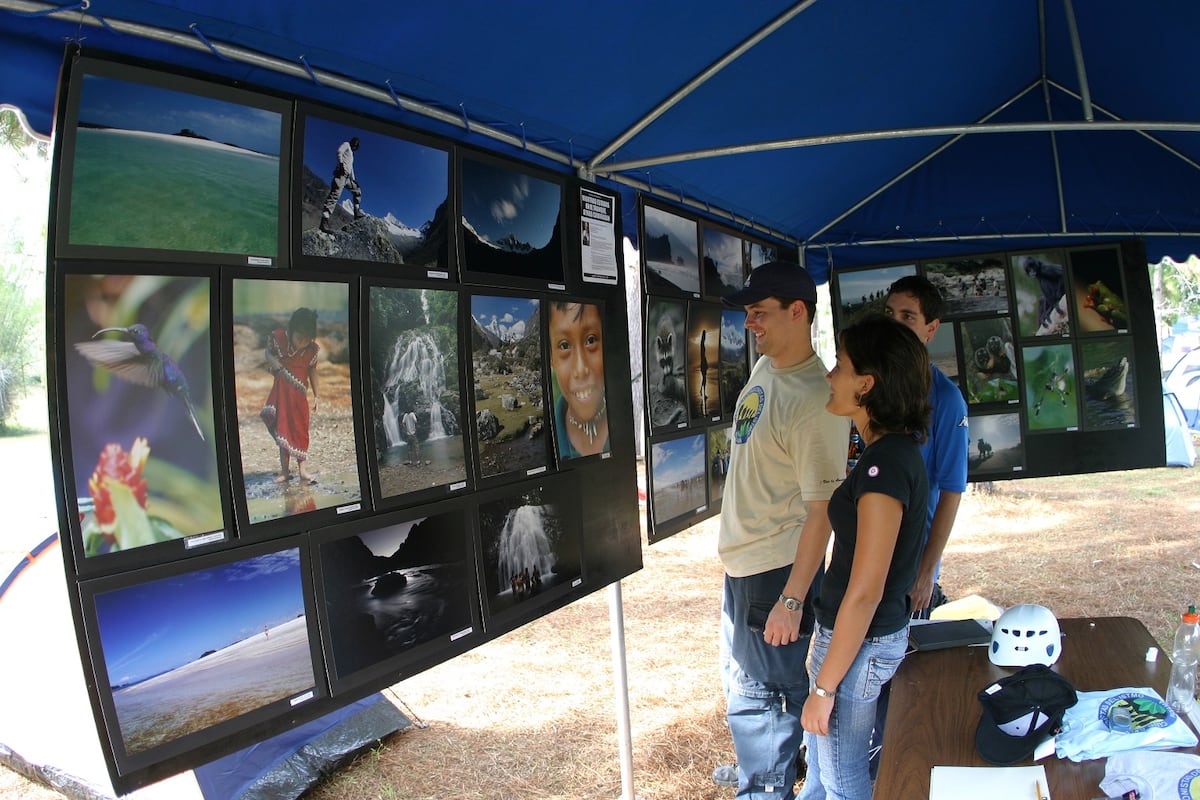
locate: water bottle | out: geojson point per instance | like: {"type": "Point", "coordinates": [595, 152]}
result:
{"type": "Point", "coordinates": [1182, 688]}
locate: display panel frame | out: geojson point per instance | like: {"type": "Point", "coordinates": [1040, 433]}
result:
{"type": "Point", "coordinates": [237, 594]}
{"type": "Point", "coordinates": [495, 194]}
{"type": "Point", "coordinates": [343, 615]}
{"type": "Point", "coordinates": [256, 307]}
{"type": "Point", "coordinates": [392, 155]}
{"type": "Point", "coordinates": [148, 401]}
{"type": "Point", "coordinates": [185, 161]}
{"type": "Point", "coordinates": [389, 454]}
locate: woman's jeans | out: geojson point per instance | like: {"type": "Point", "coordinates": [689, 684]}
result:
{"type": "Point", "coordinates": [837, 763]}
{"type": "Point", "coordinates": [766, 687]}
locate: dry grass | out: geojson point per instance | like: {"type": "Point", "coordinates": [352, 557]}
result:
{"type": "Point", "coordinates": [531, 715]}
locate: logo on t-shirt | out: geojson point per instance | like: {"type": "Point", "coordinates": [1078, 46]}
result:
{"type": "Point", "coordinates": [1189, 785]}
{"type": "Point", "coordinates": [748, 413]}
{"type": "Point", "coordinates": [1146, 712]}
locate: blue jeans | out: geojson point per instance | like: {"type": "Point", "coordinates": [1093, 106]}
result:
{"type": "Point", "coordinates": [837, 763]}
{"type": "Point", "coordinates": [765, 687]}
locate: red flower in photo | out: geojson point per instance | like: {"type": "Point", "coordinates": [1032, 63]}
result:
{"type": "Point", "coordinates": [119, 473]}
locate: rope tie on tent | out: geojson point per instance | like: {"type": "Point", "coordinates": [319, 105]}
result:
{"type": "Point", "coordinates": [392, 92]}
{"type": "Point", "coordinates": [82, 6]}
{"type": "Point", "coordinates": [466, 121]}
{"type": "Point", "coordinates": [312, 74]}
{"type": "Point", "coordinates": [195, 28]}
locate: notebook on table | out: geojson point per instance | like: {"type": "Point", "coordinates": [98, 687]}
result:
{"type": "Point", "coordinates": [948, 633]}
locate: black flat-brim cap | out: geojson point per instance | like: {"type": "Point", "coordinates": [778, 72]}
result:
{"type": "Point", "coordinates": [784, 279]}
{"type": "Point", "coordinates": [1020, 712]}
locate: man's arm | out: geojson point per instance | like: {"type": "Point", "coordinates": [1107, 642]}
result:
{"type": "Point", "coordinates": [783, 626]}
{"type": "Point", "coordinates": [939, 533]}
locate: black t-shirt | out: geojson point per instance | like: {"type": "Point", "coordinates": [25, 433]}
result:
{"type": "Point", "coordinates": [892, 466]}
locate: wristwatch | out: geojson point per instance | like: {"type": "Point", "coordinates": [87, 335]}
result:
{"type": "Point", "coordinates": [791, 603]}
{"type": "Point", "coordinates": [819, 692]}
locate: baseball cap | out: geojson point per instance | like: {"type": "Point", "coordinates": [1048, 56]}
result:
{"type": "Point", "coordinates": [1020, 712]}
{"type": "Point", "coordinates": [785, 279]}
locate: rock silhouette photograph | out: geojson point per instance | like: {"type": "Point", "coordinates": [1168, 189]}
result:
{"type": "Point", "coordinates": [367, 196]}
{"type": "Point", "coordinates": [137, 355]}
{"type": "Point", "coordinates": [294, 393]}
{"type": "Point", "coordinates": [723, 265]}
{"type": "Point", "coordinates": [393, 586]}
{"type": "Point", "coordinates": [416, 393]}
{"type": "Point", "coordinates": [509, 385]}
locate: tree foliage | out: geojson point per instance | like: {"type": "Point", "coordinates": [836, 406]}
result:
{"type": "Point", "coordinates": [1176, 288]}
{"type": "Point", "coordinates": [25, 174]}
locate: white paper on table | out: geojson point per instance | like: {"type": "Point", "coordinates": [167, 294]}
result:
{"type": "Point", "coordinates": [988, 783]}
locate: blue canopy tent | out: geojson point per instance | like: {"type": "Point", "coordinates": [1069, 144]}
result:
{"type": "Point", "coordinates": [861, 131]}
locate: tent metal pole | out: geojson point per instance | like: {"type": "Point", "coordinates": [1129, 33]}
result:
{"type": "Point", "coordinates": [1058, 182]}
{"type": "Point", "coordinates": [903, 133]}
{"type": "Point", "coordinates": [1001, 237]}
{"type": "Point", "coordinates": [616, 627]}
{"type": "Point", "coordinates": [1085, 93]}
{"type": "Point", "coordinates": [697, 82]}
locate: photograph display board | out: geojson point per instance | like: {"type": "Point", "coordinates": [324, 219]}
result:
{"type": "Point", "coordinates": [406, 427]}
{"type": "Point", "coordinates": [697, 357]}
{"type": "Point", "coordinates": [1046, 346]}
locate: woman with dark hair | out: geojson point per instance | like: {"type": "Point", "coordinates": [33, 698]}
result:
{"type": "Point", "coordinates": [292, 358]}
{"type": "Point", "coordinates": [880, 381]}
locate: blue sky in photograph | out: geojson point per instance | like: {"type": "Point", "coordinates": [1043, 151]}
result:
{"type": "Point", "coordinates": [678, 459]}
{"type": "Point", "coordinates": [154, 627]}
{"type": "Point", "coordinates": [505, 311]}
{"type": "Point", "coordinates": [139, 107]}
{"type": "Point", "coordinates": [733, 328]}
{"type": "Point", "coordinates": [407, 179]}
{"type": "Point", "coordinates": [497, 201]}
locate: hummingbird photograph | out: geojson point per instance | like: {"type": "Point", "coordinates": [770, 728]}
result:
{"type": "Point", "coordinates": [138, 394]}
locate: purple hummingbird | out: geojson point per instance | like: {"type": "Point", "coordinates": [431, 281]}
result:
{"type": "Point", "coordinates": [139, 360]}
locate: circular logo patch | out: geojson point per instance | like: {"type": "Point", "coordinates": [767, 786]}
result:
{"type": "Point", "coordinates": [748, 413]}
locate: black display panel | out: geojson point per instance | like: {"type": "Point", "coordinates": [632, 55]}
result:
{"type": "Point", "coordinates": [292, 361]}
{"type": "Point", "coordinates": [395, 591]}
{"type": "Point", "coordinates": [142, 439]}
{"type": "Point", "coordinates": [416, 390]}
{"type": "Point", "coordinates": [508, 387]}
{"type": "Point", "coordinates": [510, 229]}
{"type": "Point", "coordinates": [579, 401]}
{"type": "Point", "coordinates": [371, 197]}
{"type": "Point", "coordinates": [160, 166]}
{"type": "Point", "coordinates": [193, 657]}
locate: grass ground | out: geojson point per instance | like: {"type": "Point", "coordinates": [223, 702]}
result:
{"type": "Point", "coordinates": [531, 714]}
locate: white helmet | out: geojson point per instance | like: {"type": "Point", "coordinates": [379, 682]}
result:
{"type": "Point", "coordinates": [1024, 635]}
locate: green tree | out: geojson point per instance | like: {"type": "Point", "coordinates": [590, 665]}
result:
{"type": "Point", "coordinates": [1176, 289]}
{"type": "Point", "coordinates": [25, 175]}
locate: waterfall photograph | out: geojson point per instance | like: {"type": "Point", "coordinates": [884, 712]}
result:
{"type": "Point", "coordinates": [416, 391]}
{"type": "Point", "coordinates": [530, 540]}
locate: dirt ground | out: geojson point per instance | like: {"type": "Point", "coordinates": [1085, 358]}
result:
{"type": "Point", "coordinates": [532, 714]}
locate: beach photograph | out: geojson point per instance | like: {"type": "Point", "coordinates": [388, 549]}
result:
{"type": "Point", "coordinates": [677, 485]}
{"type": "Point", "coordinates": [204, 170]}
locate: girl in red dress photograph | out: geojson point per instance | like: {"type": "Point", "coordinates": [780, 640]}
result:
{"type": "Point", "coordinates": [292, 359]}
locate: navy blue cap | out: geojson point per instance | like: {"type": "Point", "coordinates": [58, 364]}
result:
{"type": "Point", "coordinates": [785, 279]}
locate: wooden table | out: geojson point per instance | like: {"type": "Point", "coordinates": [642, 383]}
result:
{"type": "Point", "coordinates": [934, 708]}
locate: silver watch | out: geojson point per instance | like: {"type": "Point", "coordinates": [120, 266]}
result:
{"type": "Point", "coordinates": [791, 603]}
{"type": "Point", "coordinates": [819, 692]}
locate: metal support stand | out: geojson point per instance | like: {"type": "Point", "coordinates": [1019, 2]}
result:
{"type": "Point", "coordinates": [616, 624]}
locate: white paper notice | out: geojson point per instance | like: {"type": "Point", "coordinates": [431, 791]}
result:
{"type": "Point", "coordinates": [988, 783]}
{"type": "Point", "coordinates": [598, 236]}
